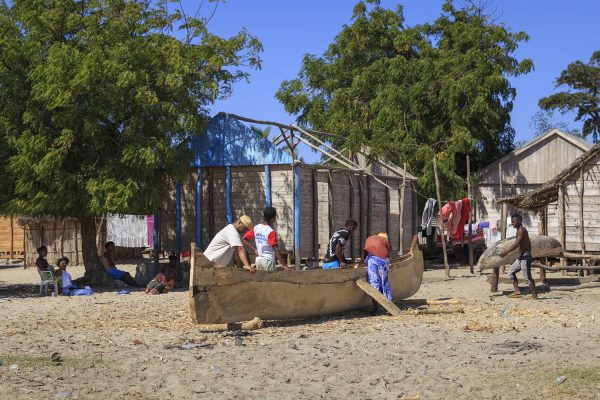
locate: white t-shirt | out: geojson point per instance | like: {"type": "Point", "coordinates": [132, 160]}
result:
{"type": "Point", "coordinates": [265, 238]}
{"type": "Point", "coordinates": [222, 248]}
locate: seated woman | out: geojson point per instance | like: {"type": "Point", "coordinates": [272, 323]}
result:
{"type": "Point", "coordinates": [68, 288]}
{"type": "Point", "coordinates": [111, 269]}
{"type": "Point", "coordinates": [165, 280]}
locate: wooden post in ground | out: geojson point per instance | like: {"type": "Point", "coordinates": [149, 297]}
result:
{"type": "Point", "coordinates": [581, 221]}
{"type": "Point", "coordinates": [561, 221]}
{"type": "Point", "coordinates": [351, 215]}
{"type": "Point", "coordinates": [542, 230]}
{"type": "Point", "coordinates": [402, 190]}
{"type": "Point", "coordinates": [439, 200]}
{"type": "Point", "coordinates": [315, 222]}
{"type": "Point", "coordinates": [12, 239]}
{"type": "Point", "coordinates": [470, 215]}
{"type": "Point", "coordinates": [496, 271]}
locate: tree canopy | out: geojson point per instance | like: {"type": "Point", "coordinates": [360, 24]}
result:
{"type": "Point", "coordinates": [410, 93]}
{"type": "Point", "coordinates": [98, 98]}
{"type": "Point", "coordinates": [582, 95]}
{"type": "Point", "coordinates": [543, 121]}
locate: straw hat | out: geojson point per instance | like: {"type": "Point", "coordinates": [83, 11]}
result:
{"type": "Point", "coordinates": [246, 221]}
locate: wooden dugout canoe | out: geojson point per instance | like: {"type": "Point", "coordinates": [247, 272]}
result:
{"type": "Point", "coordinates": [223, 295]}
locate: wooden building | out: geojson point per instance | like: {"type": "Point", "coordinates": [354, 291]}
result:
{"type": "Point", "coordinates": [523, 170]}
{"type": "Point", "coordinates": [576, 193]}
{"type": "Point", "coordinates": [62, 237]}
{"type": "Point", "coordinates": [12, 238]}
{"type": "Point", "coordinates": [237, 172]}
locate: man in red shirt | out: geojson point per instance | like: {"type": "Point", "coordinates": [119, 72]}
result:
{"type": "Point", "coordinates": [265, 238]}
{"type": "Point", "coordinates": [376, 257]}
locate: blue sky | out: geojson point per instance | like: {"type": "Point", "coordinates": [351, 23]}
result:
{"type": "Point", "coordinates": [560, 32]}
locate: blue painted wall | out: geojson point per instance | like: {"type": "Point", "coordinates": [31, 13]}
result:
{"type": "Point", "coordinates": [228, 142]}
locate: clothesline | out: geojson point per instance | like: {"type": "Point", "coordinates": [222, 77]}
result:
{"type": "Point", "coordinates": [427, 198]}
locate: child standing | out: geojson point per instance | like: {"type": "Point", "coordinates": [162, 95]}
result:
{"type": "Point", "coordinates": [265, 238]}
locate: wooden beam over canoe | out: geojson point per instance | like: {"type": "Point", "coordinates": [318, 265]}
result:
{"type": "Point", "coordinates": [378, 297]}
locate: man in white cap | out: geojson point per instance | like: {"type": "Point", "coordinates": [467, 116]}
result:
{"type": "Point", "coordinates": [228, 242]}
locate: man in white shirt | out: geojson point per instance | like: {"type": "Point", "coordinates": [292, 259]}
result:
{"type": "Point", "coordinates": [227, 242]}
{"type": "Point", "coordinates": [265, 238]}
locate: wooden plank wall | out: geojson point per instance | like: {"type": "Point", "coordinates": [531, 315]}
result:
{"type": "Point", "coordinates": [8, 227]}
{"type": "Point", "coordinates": [248, 197]}
{"type": "Point", "coordinates": [525, 167]}
{"type": "Point", "coordinates": [306, 212]}
{"type": "Point", "coordinates": [282, 198]}
{"type": "Point", "coordinates": [62, 237]}
{"type": "Point", "coordinates": [488, 208]}
{"type": "Point", "coordinates": [591, 208]}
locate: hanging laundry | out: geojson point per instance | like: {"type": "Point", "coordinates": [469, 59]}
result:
{"type": "Point", "coordinates": [465, 211]}
{"type": "Point", "coordinates": [127, 230]}
{"type": "Point", "coordinates": [454, 222]}
{"type": "Point", "coordinates": [451, 216]}
{"type": "Point", "coordinates": [428, 214]}
{"type": "Point", "coordinates": [150, 227]}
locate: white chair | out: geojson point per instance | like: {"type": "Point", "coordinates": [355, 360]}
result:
{"type": "Point", "coordinates": [47, 278]}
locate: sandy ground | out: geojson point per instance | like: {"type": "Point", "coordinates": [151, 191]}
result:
{"type": "Point", "coordinates": [121, 347]}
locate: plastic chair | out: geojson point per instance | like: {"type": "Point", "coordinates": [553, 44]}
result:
{"type": "Point", "coordinates": [47, 277]}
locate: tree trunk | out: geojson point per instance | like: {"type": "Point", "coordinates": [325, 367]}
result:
{"type": "Point", "coordinates": [94, 273]}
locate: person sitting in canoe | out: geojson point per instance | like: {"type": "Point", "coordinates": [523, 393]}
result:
{"type": "Point", "coordinates": [335, 249]}
{"type": "Point", "coordinates": [523, 262]}
{"type": "Point", "coordinates": [265, 238]}
{"type": "Point", "coordinates": [227, 242]}
{"type": "Point", "coordinates": [376, 258]}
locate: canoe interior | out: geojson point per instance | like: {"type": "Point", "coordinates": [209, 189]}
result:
{"type": "Point", "coordinates": [224, 295]}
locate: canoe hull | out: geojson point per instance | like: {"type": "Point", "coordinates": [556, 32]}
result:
{"type": "Point", "coordinates": [224, 295]}
{"type": "Point", "coordinates": [541, 246]}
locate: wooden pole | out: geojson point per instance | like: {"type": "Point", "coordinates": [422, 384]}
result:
{"type": "Point", "coordinates": [12, 239]}
{"type": "Point", "coordinates": [351, 214]}
{"type": "Point", "coordinates": [387, 209]}
{"type": "Point", "coordinates": [496, 271]}
{"type": "Point", "coordinates": [470, 215]}
{"type": "Point", "coordinates": [503, 207]}
{"type": "Point", "coordinates": [361, 227]}
{"type": "Point", "coordinates": [439, 199]}
{"type": "Point", "coordinates": [581, 227]}
{"type": "Point", "coordinates": [542, 230]}
{"type": "Point", "coordinates": [369, 209]}
{"type": "Point", "coordinates": [402, 189]}
{"type": "Point", "coordinates": [76, 242]}
{"type": "Point", "coordinates": [561, 221]}
{"type": "Point", "coordinates": [315, 201]}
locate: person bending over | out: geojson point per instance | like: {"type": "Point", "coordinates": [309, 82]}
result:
{"type": "Point", "coordinates": [335, 249]}
{"type": "Point", "coordinates": [227, 243]}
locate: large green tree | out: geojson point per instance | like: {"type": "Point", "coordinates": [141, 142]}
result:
{"type": "Point", "coordinates": [414, 92]}
{"type": "Point", "coordinates": [98, 100]}
{"type": "Point", "coordinates": [582, 95]}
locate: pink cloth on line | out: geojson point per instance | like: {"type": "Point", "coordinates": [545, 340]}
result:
{"type": "Point", "coordinates": [451, 214]}
{"type": "Point", "coordinates": [465, 210]}
{"type": "Point", "coordinates": [150, 225]}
